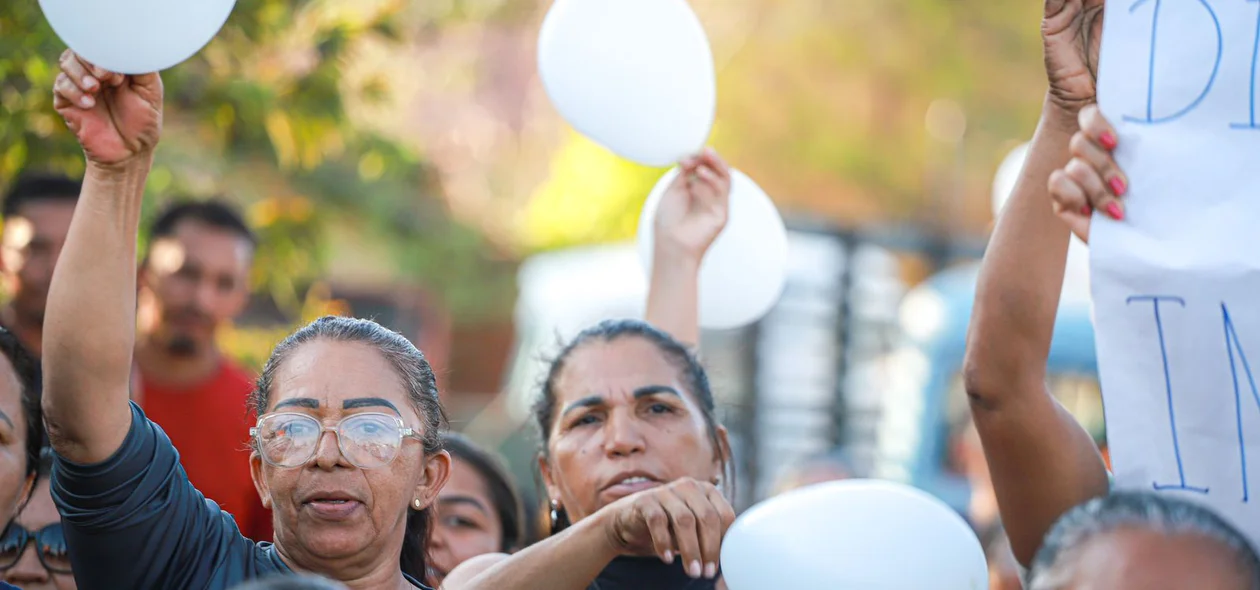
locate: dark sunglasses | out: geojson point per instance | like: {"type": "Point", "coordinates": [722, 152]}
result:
{"type": "Point", "coordinates": [50, 546]}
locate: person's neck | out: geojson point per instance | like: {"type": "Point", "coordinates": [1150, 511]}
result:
{"type": "Point", "coordinates": [29, 333]}
{"type": "Point", "coordinates": [366, 572]}
{"type": "Point", "coordinates": [157, 364]}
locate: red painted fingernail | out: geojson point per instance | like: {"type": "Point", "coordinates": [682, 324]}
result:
{"type": "Point", "coordinates": [1087, 210]}
{"type": "Point", "coordinates": [1109, 140]}
{"type": "Point", "coordinates": [1113, 209]}
{"type": "Point", "coordinates": [1117, 186]}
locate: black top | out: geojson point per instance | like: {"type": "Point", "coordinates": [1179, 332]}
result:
{"type": "Point", "coordinates": [636, 573]}
{"type": "Point", "coordinates": [135, 521]}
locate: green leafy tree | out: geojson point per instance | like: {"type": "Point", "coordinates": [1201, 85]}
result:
{"type": "Point", "coordinates": [260, 115]}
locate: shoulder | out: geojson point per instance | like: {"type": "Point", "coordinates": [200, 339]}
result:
{"type": "Point", "coordinates": [469, 570]}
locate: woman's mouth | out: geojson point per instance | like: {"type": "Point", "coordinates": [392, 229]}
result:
{"type": "Point", "coordinates": [630, 485]}
{"type": "Point", "coordinates": [332, 508]}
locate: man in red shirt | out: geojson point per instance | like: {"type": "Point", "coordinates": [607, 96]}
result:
{"type": "Point", "coordinates": [194, 278]}
{"type": "Point", "coordinates": [37, 213]}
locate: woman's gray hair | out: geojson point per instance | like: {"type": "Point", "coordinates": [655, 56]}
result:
{"type": "Point", "coordinates": [1137, 510]}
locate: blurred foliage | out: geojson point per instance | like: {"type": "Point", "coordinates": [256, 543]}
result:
{"type": "Point", "coordinates": [260, 116]}
{"type": "Point", "coordinates": [252, 345]}
{"type": "Point", "coordinates": [825, 104]}
{"type": "Point", "coordinates": [591, 196]}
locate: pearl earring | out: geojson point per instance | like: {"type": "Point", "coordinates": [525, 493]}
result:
{"type": "Point", "coordinates": [416, 503]}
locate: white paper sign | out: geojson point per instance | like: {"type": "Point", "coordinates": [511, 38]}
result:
{"type": "Point", "coordinates": [1177, 284]}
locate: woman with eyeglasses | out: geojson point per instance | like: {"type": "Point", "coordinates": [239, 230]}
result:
{"type": "Point", "coordinates": [347, 448]}
{"type": "Point", "coordinates": [21, 436]}
{"type": "Point", "coordinates": [633, 456]}
{"type": "Point", "coordinates": [33, 551]}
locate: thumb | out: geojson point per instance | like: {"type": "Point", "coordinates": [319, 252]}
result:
{"type": "Point", "coordinates": [73, 116]}
{"type": "Point", "coordinates": [1077, 221]}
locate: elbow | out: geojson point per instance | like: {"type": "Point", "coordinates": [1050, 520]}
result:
{"type": "Point", "coordinates": [994, 370]}
{"type": "Point", "coordinates": [982, 382]}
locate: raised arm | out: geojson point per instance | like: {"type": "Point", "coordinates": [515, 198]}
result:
{"type": "Point", "coordinates": [1042, 461]}
{"type": "Point", "coordinates": [691, 215]}
{"type": "Point", "coordinates": [90, 329]}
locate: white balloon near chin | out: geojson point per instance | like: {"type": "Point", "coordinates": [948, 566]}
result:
{"type": "Point", "coordinates": [853, 535]}
{"type": "Point", "coordinates": [635, 76]}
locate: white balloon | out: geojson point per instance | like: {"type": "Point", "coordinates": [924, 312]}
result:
{"type": "Point", "coordinates": [1007, 176]}
{"type": "Point", "coordinates": [744, 271]}
{"type": "Point", "coordinates": [635, 76]}
{"type": "Point", "coordinates": [136, 36]}
{"type": "Point", "coordinates": [853, 535]}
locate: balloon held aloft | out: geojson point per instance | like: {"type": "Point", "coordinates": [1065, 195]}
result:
{"type": "Point", "coordinates": [136, 36]}
{"type": "Point", "coordinates": [635, 76]}
{"type": "Point", "coordinates": [743, 273]}
{"type": "Point", "coordinates": [853, 535]}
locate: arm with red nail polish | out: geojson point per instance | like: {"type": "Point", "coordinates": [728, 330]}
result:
{"type": "Point", "coordinates": [1041, 460]}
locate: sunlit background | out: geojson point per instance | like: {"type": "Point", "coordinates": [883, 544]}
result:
{"type": "Point", "coordinates": [402, 162]}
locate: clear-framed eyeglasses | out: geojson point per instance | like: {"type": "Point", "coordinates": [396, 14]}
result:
{"type": "Point", "coordinates": [291, 439]}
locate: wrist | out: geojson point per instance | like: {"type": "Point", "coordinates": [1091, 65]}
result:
{"type": "Point", "coordinates": [1059, 117]}
{"type": "Point", "coordinates": [675, 260]}
{"type": "Point", "coordinates": [599, 531]}
{"type": "Point", "coordinates": [128, 176]}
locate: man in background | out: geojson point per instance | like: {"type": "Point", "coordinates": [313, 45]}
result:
{"type": "Point", "coordinates": [195, 278]}
{"type": "Point", "coordinates": [37, 213]}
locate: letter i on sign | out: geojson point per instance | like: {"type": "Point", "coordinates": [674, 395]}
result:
{"type": "Point", "coordinates": [1172, 408]}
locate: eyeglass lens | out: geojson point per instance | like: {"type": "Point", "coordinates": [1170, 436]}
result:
{"type": "Point", "coordinates": [366, 440]}
{"type": "Point", "coordinates": [50, 542]}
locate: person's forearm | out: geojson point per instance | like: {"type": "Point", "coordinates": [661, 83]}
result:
{"type": "Point", "coordinates": [674, 297]}
{"type": "Point", "coordinates": [1017, 299]}
{"type": "Point", "coordinates": [570, 560]}
{"type": "Point", "coordinates": [1017, 295]}
{"type": "Point", "coordinates": [89, 330]}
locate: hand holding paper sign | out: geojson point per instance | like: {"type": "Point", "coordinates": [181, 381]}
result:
{"type": "Point", "coordinates": [116, 118]}
{"type": "Point", "coordinates": [1091, 180]}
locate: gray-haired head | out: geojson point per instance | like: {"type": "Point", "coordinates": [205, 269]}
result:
{"type": "Point", "coordinates": [1159, 513]}
{"type": "Point", "coordinates": [417, 378]}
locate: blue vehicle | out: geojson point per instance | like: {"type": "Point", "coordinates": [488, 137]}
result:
{"type": "Point", "coordinates": [926, 411]}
